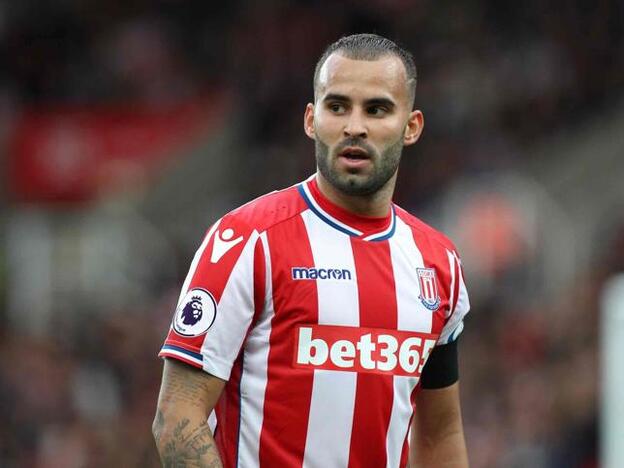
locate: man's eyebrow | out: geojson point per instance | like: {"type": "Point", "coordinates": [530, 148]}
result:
{"type": "Point", "coordinates": [377, 101]}
{"type": "Point", "coordinates": [381, 101]}
{"type": "Point", "coordinates": [336, 97]}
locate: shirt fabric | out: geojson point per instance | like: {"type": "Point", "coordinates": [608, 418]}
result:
{"type": "Point", "coordinates": [321, 322]}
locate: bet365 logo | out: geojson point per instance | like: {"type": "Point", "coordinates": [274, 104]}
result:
{"type": "Point", "coordinates": [362, 349]}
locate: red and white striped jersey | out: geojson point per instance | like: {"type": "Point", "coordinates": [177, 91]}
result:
{"type": "Point", "coordinates": [321, 322]}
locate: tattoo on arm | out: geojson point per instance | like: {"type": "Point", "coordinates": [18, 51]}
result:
{"type": "Point", "coordinates": [159, 423]}
{"type": "Point", "coordinates": [188, 448]}
{"type": "Point", "coordinates": [184, 387]}
{"type": "Point", "coordinates": [180, 427]}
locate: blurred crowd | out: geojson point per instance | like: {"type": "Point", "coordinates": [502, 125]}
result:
{"type": "Point", "coordinates": [494, 77]}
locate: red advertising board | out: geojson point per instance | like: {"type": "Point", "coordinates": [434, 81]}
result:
{"type": "Point", "coordinates": [74, 154]}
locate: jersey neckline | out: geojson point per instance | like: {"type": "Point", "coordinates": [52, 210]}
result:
{"type": "Point", "coordinates": [363, 227]}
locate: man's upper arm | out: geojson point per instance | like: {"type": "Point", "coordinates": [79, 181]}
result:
{"type": "Point", "coordinates": [186, 386]}
{"type": "Point", "coordinates": [437, 409]}
{"type": "Point", "coordinates": [437, 432]}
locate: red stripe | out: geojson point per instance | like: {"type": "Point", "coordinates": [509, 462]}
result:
{"type": "Point", "coordinates": [228, 417]}
{"type": "Point", "coordinates": [259, 281]}
{"type": "Point", "coordinates": [214, 276]}
{"type": "Point", "coordinates": [378, 309]}
{"type": "Point", "coordinates": [289, 390]}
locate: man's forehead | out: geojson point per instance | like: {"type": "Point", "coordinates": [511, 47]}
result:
{"type": "Point", "coordinates": [387, 72]}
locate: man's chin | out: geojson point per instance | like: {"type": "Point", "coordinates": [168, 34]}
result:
{"type": "Point", "coordinates": [354, 184]}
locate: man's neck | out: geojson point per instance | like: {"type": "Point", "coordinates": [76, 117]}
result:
{"type": "Point", "coordinates": [376, 205]}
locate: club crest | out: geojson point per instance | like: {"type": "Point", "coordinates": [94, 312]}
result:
{"type": "Point", "coordinates": [195, 313]}
{"type": "Point", "coordinates": [428, 288]}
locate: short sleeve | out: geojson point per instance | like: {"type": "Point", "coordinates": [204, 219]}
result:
{"type": "Point", "coordinates": [217, 302]}
{"type": "Point", "coordinates": [460, 304]}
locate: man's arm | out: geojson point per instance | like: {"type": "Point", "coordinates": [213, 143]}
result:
{"type": "Point", "coordinates": [437, 432]}
{"type": "Point", "coordinates": [180, 428]}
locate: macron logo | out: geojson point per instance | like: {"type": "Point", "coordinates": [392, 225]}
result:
{"type": "Point", "coordinates": [222, 243]}
{"type": "Point", "coordinates": [302, 273]}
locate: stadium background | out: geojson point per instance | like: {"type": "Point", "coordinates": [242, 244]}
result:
{"type": "Point", "coordinates": [127, 128]}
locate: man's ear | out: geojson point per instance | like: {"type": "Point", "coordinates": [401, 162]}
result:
{"type": "Point", "coordinates": [414, 128]}
{"type": "Point", "coordinates": [308, 121]}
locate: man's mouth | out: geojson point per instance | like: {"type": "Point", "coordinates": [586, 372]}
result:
{"type": "Point", "coordinates": [354, 153]}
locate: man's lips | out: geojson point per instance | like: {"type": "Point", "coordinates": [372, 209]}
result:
{"type": "Point", "coordinates": [354, 153]}
{"type": "Point", "coordinates": [354, 158]}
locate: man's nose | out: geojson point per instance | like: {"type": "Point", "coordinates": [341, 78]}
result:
{"type": "Point", "coordinates": [356, 125]}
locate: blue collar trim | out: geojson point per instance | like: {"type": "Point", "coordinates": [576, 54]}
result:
{"type": "Point", "coordinates": [340, 226]}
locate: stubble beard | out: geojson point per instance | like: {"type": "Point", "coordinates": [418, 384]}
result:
{"type": "Point", "coordinates": [384, 167]}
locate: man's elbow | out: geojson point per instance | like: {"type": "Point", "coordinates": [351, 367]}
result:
{"type": "Point", "coordinates": [164, 426]}
{"type": "Point", "coordinates": [158, 426]}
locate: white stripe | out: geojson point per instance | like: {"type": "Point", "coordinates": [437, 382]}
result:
{"type": "Point", "coordinates": [451, 260]}
{"type": "Point", "coordinates": [235, 310]}
{"type": "Point", "coordinates": [458, 329]}
{"type": "Point", "coordinates": [254, 379]}
{"type": "Point", "coordinates": [173, 352]}
{"type": "Point", "coordinates": [212, 421]}
{"type": "Point", "coordinates": [455, 323]}
{"type": "Point", "coordinates": [333, 392]}
{"type": "Point", "coordinates": [399, 419]}
{"type": "Point", "coordinates": [405, 259]}
{"type": "Point", "coordinates": [327, 215]}
{"type": "Point", "coordinates": [195, 262]}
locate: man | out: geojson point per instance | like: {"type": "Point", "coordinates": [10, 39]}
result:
{"type": "Point", "coordinates": [311, 317]}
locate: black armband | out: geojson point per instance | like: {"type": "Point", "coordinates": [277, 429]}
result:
{"type": "Point", "coordinates": [441, 369]}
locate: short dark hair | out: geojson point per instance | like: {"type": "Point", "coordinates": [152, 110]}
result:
{"type": "Point", "coordinates": [370, 47]}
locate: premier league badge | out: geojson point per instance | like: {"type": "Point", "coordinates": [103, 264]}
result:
{"type": "Point", "coordinates": [428, 288]}
{"type": "Point", "coordinates": [195, 313]}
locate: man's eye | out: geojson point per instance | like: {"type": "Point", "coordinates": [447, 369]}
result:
{"type": "Point", "coordinates": [337, 108]}
{"type": "Point", "coordinates": [376, 111]}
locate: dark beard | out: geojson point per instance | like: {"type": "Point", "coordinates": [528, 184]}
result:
{"type": "Point", "coordinates": [384, 167]}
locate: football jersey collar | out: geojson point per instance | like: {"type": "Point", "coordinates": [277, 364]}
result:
{"type": "Point", "coordinates": [363, 227]}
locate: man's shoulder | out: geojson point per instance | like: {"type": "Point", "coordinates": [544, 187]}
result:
{"type": "Point", "coordinates": [424, 230]}
{"type": "Point", "coordinates": [269, 209]}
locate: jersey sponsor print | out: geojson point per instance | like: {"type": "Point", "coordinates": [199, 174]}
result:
{"type": "Point", "coordinates": [321, 322]}
{"type": "Point", "coordinates": [362, 350]}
